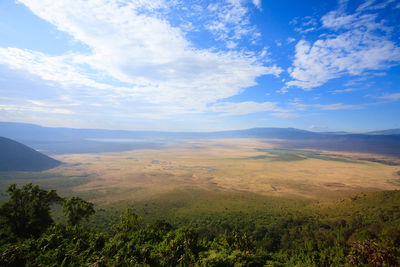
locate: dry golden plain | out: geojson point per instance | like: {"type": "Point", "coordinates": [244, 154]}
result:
{"type": "Point", "coordinates": [226, 164]}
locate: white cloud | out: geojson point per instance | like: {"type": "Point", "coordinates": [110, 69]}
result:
{"type": "Point", "coordinates": [383, 99]}
{"type": "Point", "coordinates": [347, 90]}
{"type": "Point", "coordinates": [232, 20]}
{"type": "Point", "coordinates": [257, 3]}
{"type": "Point", "coordinates": [248, 107]}
{"type": "Point", "coordinates": [360, 43]}
{"type": "Point", "coordinates": [334, 106]}
{"type": "Point", "coordinates": [286, 115]}
{"type": "Point", "coordinates": [305, 25]}
{"type": "Point", "coordinates": [50, 68]}
{"type": "Point", "coordinates": [369, 5]}
{"type": "Point", "coordinates": [389, 97]}
{"type": "Point", "coordinates": [134, 45]}
{"type": "Point", "coordinates": [36, 108]}
{"type": "Point", "coordinates": [290, 40]}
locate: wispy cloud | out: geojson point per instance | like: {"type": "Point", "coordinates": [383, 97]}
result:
{"type": "Point", "coordinates": [359, 42]}
{"type": "Point", "coordinates": [231, 20]}
{"type": "Point", "coordinates": [257, 3]}
{"type": "Point", "coordinates": [304, 25]}
{"type": "Point", "coordinates": [389, 97]}
{"type": "Point", "coordinates": [51, 68]}
{"type": "Point", "coordinates": [335, 106]}
{"type": "Point", "coordinates": [146, 58]}
{"type": "Point", "coordinates": [248, 107]}
{"type": "Point", "coordinates": [285, 115]}
{"type": "Point", "coordinates": [347, 90]}
{"type": "Point", "coordinates": [36, 108]}
{"type": "Point", "coordinates": [372, 5]}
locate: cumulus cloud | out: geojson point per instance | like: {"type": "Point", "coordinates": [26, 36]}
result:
{"type": "Point", "coordinates": [147, 59]}
{"type": "Point", "coordinates": [358, 43]}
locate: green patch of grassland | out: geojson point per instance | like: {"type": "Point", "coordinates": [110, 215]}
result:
{"type": "Point", "coordinates": [221, 210]}
{"type": "Point", "coordinates": [368, 204]}
{"type": "Point", "coordinates": [295, 155]}
{"type": "Point", "coordinates": [200, 208]}
{"type": "Point", "coordinates": [48, 180]}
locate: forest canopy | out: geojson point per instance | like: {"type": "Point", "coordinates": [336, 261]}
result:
{"type": "Point", "coordinates": [355, 236]}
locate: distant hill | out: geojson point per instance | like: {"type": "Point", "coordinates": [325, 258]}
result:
{"type": "Point", "coordinates": [15, 156]}
{"type": "Point", "coordinates": [31, 133]}
{"type": "Point", "coordinates": [67, 140]}
{"type": "Point", "coordinates": [389, 131]}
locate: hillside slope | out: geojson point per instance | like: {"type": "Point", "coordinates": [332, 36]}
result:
{"type": "Point", "coordinates": [15, 156]}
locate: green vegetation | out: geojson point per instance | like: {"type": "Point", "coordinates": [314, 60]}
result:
{"type": "Point", "coordinates": [27, 213]}
{"type": "Point", "coordinates": [47, 180]}
{"type": "Point", "coordinates": [295, 155]}
{"type": "Point", "coordinates": [212, 229]}
{"type": "Point", "coordinates": [76, 209]}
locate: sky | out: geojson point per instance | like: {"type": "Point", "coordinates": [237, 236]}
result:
{"type": "Point", "coordinates": [193, 65]}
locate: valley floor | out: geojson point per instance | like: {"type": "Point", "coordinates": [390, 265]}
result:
{"type": "Point", "coordinates": [296, 207]}
{"type": "Point", "coordinates": [238, 165]}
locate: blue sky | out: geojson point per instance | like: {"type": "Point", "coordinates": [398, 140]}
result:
{"type": "Point", "coordinates": [201, 65]}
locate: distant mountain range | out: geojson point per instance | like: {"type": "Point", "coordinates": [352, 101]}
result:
{"type": "Point", "coordinates": [15, 156]}
{"type": "Point", "coordinates": [67, 140]}
{"type": "Point", "coordinates": [389, 131]}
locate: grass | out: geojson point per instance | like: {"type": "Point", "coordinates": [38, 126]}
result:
{"type": "Point", "coordinates": [366, 206]}
{"type": "Point", "coordinates": [243, 181]}
{"type": "Point", "coordinates": [243, 165]}
{"type": "Point", "coordinates": [198, 208]}
{"type": "Point", "coordinates": [47, 180]}
{"type": "Point", "coordinates": [220, 210]}
{"type": "Point", "coordinates": [295, 155]}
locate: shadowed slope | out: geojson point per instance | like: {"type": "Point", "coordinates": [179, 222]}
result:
{"type": "Point", "coordinates": [15, 156]}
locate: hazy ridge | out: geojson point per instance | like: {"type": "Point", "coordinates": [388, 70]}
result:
{"type": "Point", "coordinates": [68, 140]}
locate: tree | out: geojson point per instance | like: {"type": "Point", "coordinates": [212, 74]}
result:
{"type": "Point", "coordinates": [27, 213]}
{"type": "Point", "coordinates": [370, 253]}
{"type": "Point", "coordinates": [76, 209]}
{"type": "Point", "coordinates": [180, 247]}
{"type": "Point", "coordinates": [129, 222]}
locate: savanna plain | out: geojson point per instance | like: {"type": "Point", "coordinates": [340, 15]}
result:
{"type": "Point", "coordinates": [292, 204]}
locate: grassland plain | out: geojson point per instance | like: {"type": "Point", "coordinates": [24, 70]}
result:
{"type": "Point", "coordinates": [212, 176]}
{"type": "Point", "coordinates": [237, 165]}
{"type": "Point", "coordinates": [292, 207]}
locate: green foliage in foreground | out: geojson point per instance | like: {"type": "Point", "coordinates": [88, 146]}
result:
{"type": "Point", "coordinates": [359, 231]}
